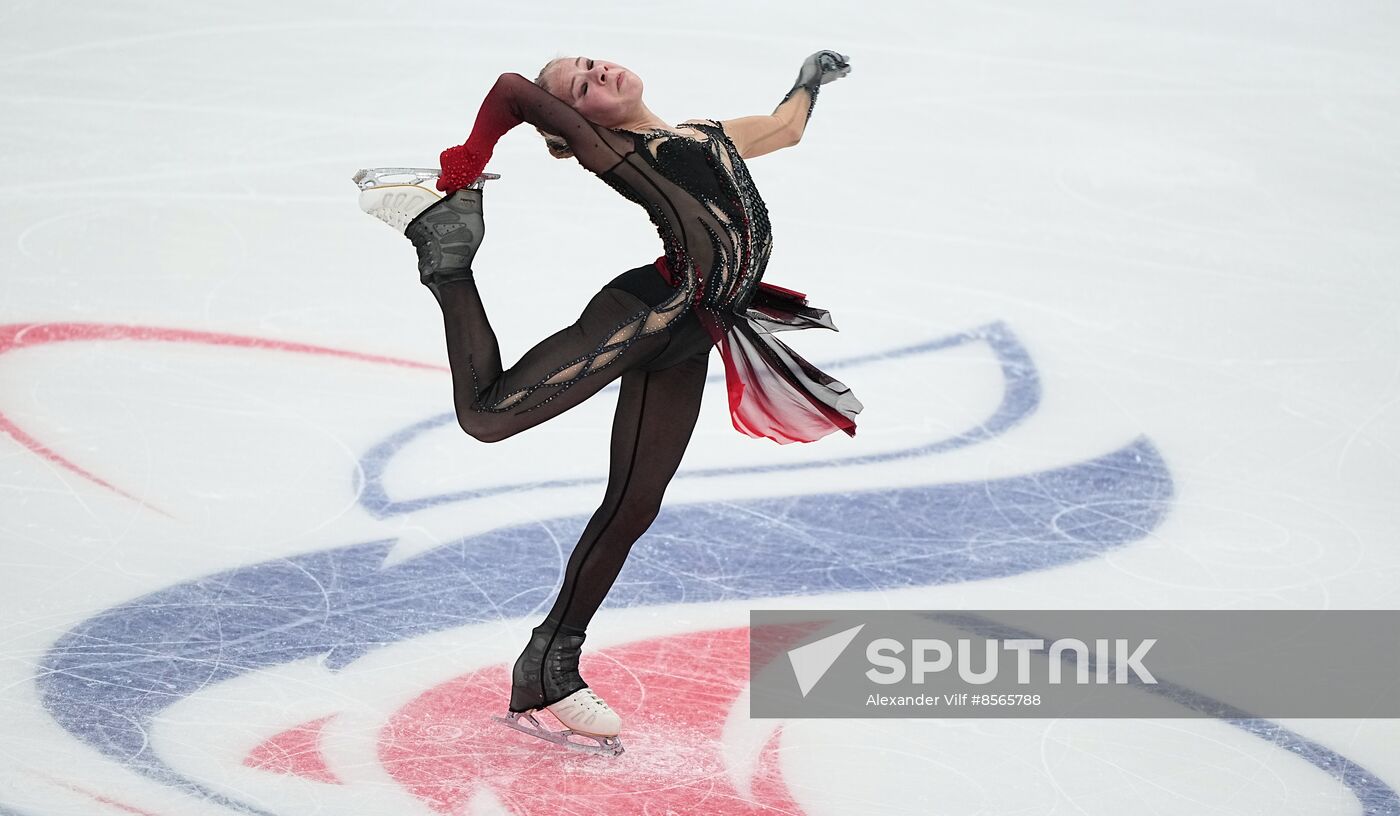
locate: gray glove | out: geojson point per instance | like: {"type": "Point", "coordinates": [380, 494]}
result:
{"type": "Point", "coordinates": [819, 69]}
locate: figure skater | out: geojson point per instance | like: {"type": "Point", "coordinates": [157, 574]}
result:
{"type": "Point", "coordinates": [652, 326]}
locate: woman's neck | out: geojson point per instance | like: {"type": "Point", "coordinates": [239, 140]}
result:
{"type": "Point", "coordinates": [644, 120]}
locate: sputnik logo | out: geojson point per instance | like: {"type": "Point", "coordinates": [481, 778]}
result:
{"type": "Point", "coordinates": [811, 662]}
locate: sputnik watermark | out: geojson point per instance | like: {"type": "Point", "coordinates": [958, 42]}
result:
{"type": "Point", "coordinates": [889, 666]}
{"type": "Point", "coordinates": [1055, 663]}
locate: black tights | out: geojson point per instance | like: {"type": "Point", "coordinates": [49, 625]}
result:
{"type": "Point", "coordinates": [663, 377]}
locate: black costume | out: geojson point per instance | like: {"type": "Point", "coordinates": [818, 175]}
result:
{"type": "Point", "coordinates": [653, 326]}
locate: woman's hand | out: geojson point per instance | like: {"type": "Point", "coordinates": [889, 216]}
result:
{"type": "Point", "coordinates": [821, 68]}
{"type": "Point", "coordinates": [460, 167]}
{"type": "Point", "coordinates": [817, 70]}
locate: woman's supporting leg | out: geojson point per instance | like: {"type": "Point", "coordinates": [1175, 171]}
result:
{"type": "Point", "coordinates": [656, 413]}
{"type": "Point", "coordinates": [560, 372]}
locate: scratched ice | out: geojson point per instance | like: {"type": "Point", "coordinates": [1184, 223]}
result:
{"type": "Point", "coordinates": [1115, 284]}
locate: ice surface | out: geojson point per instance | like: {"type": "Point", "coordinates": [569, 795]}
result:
{"type": "Point", "coordinates": [1116, 283]}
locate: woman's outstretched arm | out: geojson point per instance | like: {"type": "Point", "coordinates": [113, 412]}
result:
{"type": "Point", "coordinates": [515, 99]}
{"type": "Point", "coordinates": [757, 135]}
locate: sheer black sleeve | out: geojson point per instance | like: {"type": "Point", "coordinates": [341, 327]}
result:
{"type": "Point", "coordinates": [515, 99]}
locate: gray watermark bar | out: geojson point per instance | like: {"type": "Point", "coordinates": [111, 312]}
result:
{"type": "Point", "coordinates": [1074, 663]}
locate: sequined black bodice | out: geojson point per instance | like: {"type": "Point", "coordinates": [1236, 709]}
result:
{"type": "Point", "coordinates": [710, 217]}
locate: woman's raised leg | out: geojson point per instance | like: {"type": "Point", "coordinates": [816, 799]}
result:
{"type": "Point", "coordinates": [560, 372]}
{"type": "Point", "coordinates": [609, 337]}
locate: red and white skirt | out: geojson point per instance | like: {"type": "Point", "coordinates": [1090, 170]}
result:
{"type": "Point", "coordinates": [773, 391]}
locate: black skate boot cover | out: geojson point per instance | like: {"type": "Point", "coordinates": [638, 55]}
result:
{"type": "Point", "coordinates": [447, 236]}
{"type": "Point", "coordinates": [547, 671]}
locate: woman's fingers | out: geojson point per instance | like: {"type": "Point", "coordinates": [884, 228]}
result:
{"type": "Point", "coordinates": [834, 65]}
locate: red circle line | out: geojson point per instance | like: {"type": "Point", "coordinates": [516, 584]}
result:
{"type": "Point", "coordinates": [16, 336]}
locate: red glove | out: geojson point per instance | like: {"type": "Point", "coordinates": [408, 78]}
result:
{"type": "Point", "coordinates": [503, 108]}
{"type": "Point", "coordinates": [460, 167]}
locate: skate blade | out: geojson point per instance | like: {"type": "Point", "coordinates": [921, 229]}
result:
{"type": "Point", "coordinates": [381, 176]}
{"type": "Point", "coordinates": [606, 746]}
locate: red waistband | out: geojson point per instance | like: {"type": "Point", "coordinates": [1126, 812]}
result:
{"type": "Point", "coordinates": [665, 270]}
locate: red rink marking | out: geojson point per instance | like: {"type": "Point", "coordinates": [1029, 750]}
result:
{"type": "Point", "coordinates": [297, 752]}
{"type": "Point", "coordinates": [97, 797]}
{"type": "Point", "coordinates": [673, 694]}
{"type": "Point", "coordinates": [28, 335]}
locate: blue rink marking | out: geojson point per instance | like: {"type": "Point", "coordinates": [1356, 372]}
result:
{"type": "Point", "coordinates": [107, 678]}
{"type": "Point", "coordinates": [1020, 398]}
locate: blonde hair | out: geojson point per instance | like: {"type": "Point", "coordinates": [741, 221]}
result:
{"type": "Point", "coordinates": [558, 148]}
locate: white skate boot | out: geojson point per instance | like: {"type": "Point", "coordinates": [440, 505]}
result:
{"type": "Point", "coordinates": [546, 678]}
{"type": "Point", "coordinates": [397, 195]}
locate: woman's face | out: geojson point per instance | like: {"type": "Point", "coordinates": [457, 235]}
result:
{"type": "Point", "coordinates": [604, 92]}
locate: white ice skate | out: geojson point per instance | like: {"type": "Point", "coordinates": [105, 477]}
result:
{"type": "Point", "coordinates": [396, 195]}
{"type": "Point", "coordinates": [583, 714]}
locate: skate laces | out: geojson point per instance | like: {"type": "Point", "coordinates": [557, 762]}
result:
{"type": "Point", "coordinates": [396, 218]}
